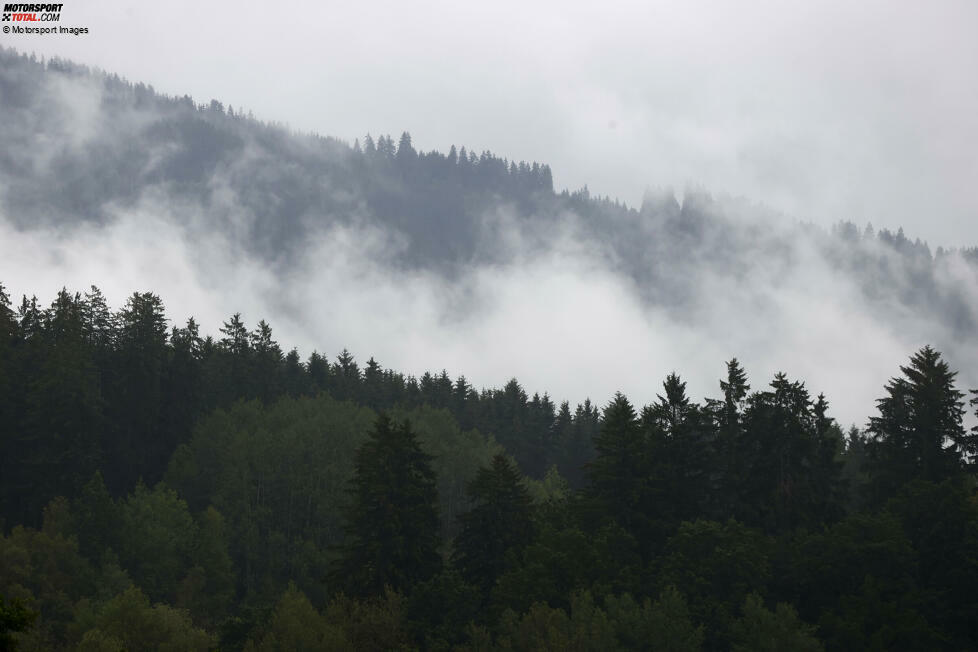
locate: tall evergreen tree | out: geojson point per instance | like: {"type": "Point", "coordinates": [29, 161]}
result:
{"type": "Point", "coordinates": [142, 360]}
{"type": "Point", "coordinates": [393, 525]}
{"type": "Point", "coordinates": [679, 453]}
{"type": "Point", "coordinates": [268, 360]}
{"type": "Point", "coordinates": [500, 521]}
{"type": "Point", "coordinates": [731, 446]}
{"type": "Point", "coordinates": [791, 471]}
{"type": "Point", "coordinates": [919, 431]}
{"type": "Point", "coordinates": [59, 447]}
{"type": "Point", "coordinates": [971, 447]}
{"type": "Point", "coordinates": [618, 473]}
{"type": "Point", "coordinates": [406, 153]}
{"type": "Point", "coordinates": [10, 390]}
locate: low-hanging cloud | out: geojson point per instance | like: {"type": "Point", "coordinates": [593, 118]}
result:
{"type": "Point", "coordinates": [573, 307]}
{"type": "Point", "coordinates": [561, 318]}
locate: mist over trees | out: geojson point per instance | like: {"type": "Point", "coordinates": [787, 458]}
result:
{"type": "Point", "coordinates": [166, 487]}
{"type": "Point", "coordinates": [86, 147]}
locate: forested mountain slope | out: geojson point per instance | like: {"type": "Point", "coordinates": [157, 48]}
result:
{"type": "Point", "coordinates": [89, 147]}
{"type": "Point", "coordinates": [166, 484]}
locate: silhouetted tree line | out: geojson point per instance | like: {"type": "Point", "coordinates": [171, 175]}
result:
{"type": "Point", "coordinates": [198, 492]}
{"type": "Point", "coordinates": [89, 388]}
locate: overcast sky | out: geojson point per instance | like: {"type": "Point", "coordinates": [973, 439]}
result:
{"type": "Point", "coordinates": [825, 110]}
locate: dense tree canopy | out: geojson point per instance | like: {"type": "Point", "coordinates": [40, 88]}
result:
{"type": "Point", "coordinates": [166, 489]}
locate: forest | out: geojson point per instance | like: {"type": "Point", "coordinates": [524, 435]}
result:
{"type": "Point", "coordinates": [162, 487]}
{"type": "Point", "coordinates": [165, 489]}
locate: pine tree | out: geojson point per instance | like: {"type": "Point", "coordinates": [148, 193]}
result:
{"type": "Point", "coordinates": [405, 151]}
{"type": "Point", "coordinates": [732, 449]}
{"type": "Point", "coordinates": [10, 398]}
{"type": "Point", "coordinates": [268, 361]}
{"type": "Point", "coordinates": [735, 390]}
{"type": "Point", "coordinates": [183, 395]}
{"type": "Point", "coordinates": [393, 525]}
{"type": "Point", "coordinates": [346, 377]}
{"type": "Point", "coordinates": [787, 459]}
{"type": "Point", "coordinates": [142, 361]}
{"type": "Point", "coordinates": [235, 338]}
{"type": "Point", "coordinates": [58, 446]}
{"type": "Point", "coordinates": [618, 473]}
{"type": "Point", "coordinates": [680, 453]}
{"type": "Point", "coordinates": [373, 385]}
{"type": "Point", "coordinates": [971, 445]}
{"type": "Point", "coordinates": [919, 431]}
{"type": "Point", "coordinates": [500, 521]}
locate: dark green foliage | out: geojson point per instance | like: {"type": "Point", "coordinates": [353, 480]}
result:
{"type": "Point", "coordinates": [141, 356]}
{"type": "Point", "coordinates": [44, 569]}
{"type": "Point", "coordinates": [279, 524]}
{"type": "Point", "coordinates": [376, 623]}
{"type": "Point", "coordinates": [941, 522]}
{"type": "Point", "coordinates": [271, 482]}
{"type": "Point", "coordinates": [664, 625]}
{"type": "Point", "coordinates": [89, 389]}
{"type": "Point", "coordinates": [857, 580]}
{"type": "Point", "coordinates": [618, 473]}
{"type": "Point", "coordinates": [680, 459]}
{"type": "Point", "coordinates": [585, 628]}
{"type": "Point", "coordinates": [788, 460]}
{"type": "Point", "coordinates": [295, 625]}
{"type": "Point", "coordinates": [561, 561]}
{"type": "Point", "coordinates": [918, 433]}
{"type": "Point", "coordinates": [11, 400]}
{"type": "Point", "coordinates": [731, 446]}
{"type": "Point", "coordinates": [208, 588]}
{"type": "Point", "coordinates": [156, 541]}
{"type": "Point", "coordinates": [56, 447]}
{"type": "Point", "coordinates": [96, 519]}
{"type": "Point", "coordinates": [439, 609]}
{"type": "Point", "coordinates": [129, 622]}
{"type": "Point", "coordinates": [499, 523]}
{"type": "Point", "coordinates": [14, 617]}
{"type": "Point", "coordinates": [762, 630]}
{"type": "Point", "coordinates": [715, 565]}
{"type": "Point", "coordinates": [393, 524]}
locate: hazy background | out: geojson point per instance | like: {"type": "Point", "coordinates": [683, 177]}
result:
{"type": "Point", "coordinates": [822, 114]}
{"type": "Point", "coordinates": [829, 110]}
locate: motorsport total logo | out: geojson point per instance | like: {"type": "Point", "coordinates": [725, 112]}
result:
{"type": "Point", "coordinates": [34, 19]}
{"type": "Point", "coordinates": [31, 13]}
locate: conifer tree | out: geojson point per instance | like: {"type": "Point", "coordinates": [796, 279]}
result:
{"type": "Point", "coordinates": [783, 469]}
{"type": "Point", "coordinates": [405, 151]}
{"type": "Point", "coordinates": [500, 521]}
{"type": "Point", "coordinates": [392, 525]}
{"type": "Point", "coordinates": [732, 449]}
{"type": "Point", "coordinates": [971, 445]}
{"type": "Point", "coordinates": [618, 472]}
{"type": "Point", "coordinates": [142, 366]}
{"type": "Point", "coordinates": [679, 451]}
{"type": "Point", "coordinates": [10, 389]}
{"type": "Point", "coordinates": [919, 431]}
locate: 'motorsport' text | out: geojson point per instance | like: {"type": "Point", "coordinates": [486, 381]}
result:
{"type": "Point", "coordinates": [29, 13]}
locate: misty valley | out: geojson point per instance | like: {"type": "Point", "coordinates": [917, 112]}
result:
{"type": "Point", "coordinates": [493, 414]}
